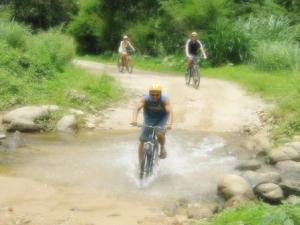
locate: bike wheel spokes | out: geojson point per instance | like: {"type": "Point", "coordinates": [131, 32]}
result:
{"type": "Point", "coordinates": [188, 76]}
{"type": "Point", "coordinates": [143, 166]}
{"type": "Point", "coordinates": [196, 78]}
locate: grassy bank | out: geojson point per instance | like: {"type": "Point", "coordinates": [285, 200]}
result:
{"type": "Point", "coordinates": [71, 88]}
{"type": "Point", "coordinates": [35, 69]}
{"type": "Point", "coordinates": [258, 214]}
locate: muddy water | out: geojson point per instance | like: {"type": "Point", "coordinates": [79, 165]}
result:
{"type": "Point", "coordinates": [106, 161]}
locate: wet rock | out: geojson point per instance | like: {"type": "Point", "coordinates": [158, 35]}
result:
{"type": "Point", "coordinates": [252, 164]}
{"type": "Point", "coordinates": [23, 119]}
{"type": "Point", "coordinates": [201, 211]}
{"type": "Point", "coordinates": [256, 178]}
{"type": "Point", "coordinates": [259, 143]}
{"type": "Point", "coordinates": [290, 187]}
{"type": "Point", "coordinates": [269, 192]}
{"type": "Point", "coordinates": [234, 185]}
{"type": "Point", "coordinates": [289, 169]}
{"type": "Point", "coordinates": [284, 153]}
{"type": "Point", "coordinates": [23, 125]}
{"type": "Point", "coordinates": [236, 201]}
{"type": "Point", "coordinates": [67, 124]}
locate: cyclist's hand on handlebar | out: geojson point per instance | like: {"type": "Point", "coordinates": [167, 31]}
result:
{"type": "Point", "coordinates": [134, 123]}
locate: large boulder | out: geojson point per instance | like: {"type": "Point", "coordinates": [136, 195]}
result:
{"type": "Point", "coordinates": [269, 192]}
{"type": "Point", "coordinates": [252, 164]}
{"type": "Point", "coordinates": [284, 153]}
{"type": "Point", "coordinates": [23, 125]}
{"type": "Point", "coordinates": [23, 119]}
{"type": "Point", "coordinates": [234, 185]}
{"type": "Point", "coordinates": [67, 124]}
{"type": "Point", "coordinates": [256, 178]}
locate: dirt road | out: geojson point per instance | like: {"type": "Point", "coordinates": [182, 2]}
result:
{"type": "Point", "coordinates": [217, 106]}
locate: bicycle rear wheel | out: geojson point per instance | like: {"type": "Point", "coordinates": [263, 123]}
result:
{"type": "Point", "coordinates": [196, 78]}
{"type": "Point", "coordinates": [130, 67]}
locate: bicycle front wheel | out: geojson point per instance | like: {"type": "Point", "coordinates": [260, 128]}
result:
{"type": "Point", "coordinates": [196, 78]}
{"type": "Point", "coordinates": [143, 165]}
{"type": "Point", "coordinates": [188, 76]}
{"type": "Point", "coordinates": [120, 66]}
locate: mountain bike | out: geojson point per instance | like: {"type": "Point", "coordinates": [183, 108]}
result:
{"type": "Point", "coordinates": [129, 66]}
{"type": "Point", "coordinates": [150, 154]}
{"type": "Point", "coordinates": [193, 73]}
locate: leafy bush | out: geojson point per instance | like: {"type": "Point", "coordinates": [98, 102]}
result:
{"type": "Point", "coordinates": [13, 34]}
{"type": "Point", "coordinates": [49, 52]}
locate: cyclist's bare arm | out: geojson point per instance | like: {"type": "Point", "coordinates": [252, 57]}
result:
{"type": "Point", "coordinates": [203, 53]}
{"type": "Point", "coordinates": [136, 111]}
{"type": "Point", "coordinates": [121, 47]}
{"type": "Point", "coordinates": [131, 46]}
{"type": "Point", "coordinates": [187, 49]}
{"type": "Point", "coordinates": [169, 110]}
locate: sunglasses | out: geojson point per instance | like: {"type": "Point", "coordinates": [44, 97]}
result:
{"type": "Point", "coordinates": [154, 95]}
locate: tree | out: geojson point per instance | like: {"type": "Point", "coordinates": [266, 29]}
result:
{"type": "Point", "coordinates": [44, 13]}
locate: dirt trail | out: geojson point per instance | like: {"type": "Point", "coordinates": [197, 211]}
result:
{"type": "Point", "coordinates": [217, 106]}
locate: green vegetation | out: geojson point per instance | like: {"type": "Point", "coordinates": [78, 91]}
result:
{"type": "Point", "coordinates": [258, 214]}
{"type": "Point", "coordinates": [43, 14]}
{"type": "Point", "coordinates": [265, 33]}
{"type": "Point", "coordinates": [35, 70]}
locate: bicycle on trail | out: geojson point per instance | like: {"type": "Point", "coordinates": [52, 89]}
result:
{"type": "Point", "coordinates": [193, 47]}
{"type": "Point", "coordinates": [193, 73]}
{"type": "Point", "coordinates": [126, 66]}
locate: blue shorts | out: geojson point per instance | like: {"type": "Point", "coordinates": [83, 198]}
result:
{"type": "Point", "coordinates": [146, 133]}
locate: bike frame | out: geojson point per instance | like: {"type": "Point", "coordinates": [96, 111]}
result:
{"type": "Point", "coordinates": [149, 150]}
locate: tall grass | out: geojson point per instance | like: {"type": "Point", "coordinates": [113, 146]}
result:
{"type": "Point", "coordinates": [276, 55]}
{"type": "Point", "coordinates": [259, 214]}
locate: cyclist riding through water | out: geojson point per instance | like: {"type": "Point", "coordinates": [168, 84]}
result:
{"type": "Point", "coordinates": [123, 50]}
{"type": "Point", "coordinates": [157, 112]}
{"type": "Point", "coordinates": [192, 47]}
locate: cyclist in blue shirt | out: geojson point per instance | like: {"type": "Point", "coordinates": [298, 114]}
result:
{"type": "Point", "coordinates": [157, 112]}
